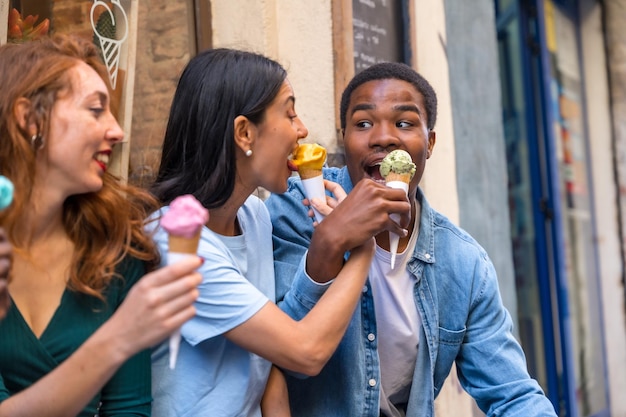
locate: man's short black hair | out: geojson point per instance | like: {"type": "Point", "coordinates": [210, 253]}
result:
{"type": "Point", "coordinates": [392, 70]}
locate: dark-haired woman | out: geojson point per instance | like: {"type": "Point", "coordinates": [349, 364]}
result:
{"type": "Point", "coordinates": [232, 128]}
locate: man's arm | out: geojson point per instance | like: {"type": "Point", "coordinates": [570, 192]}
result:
{"type": "Point", "coordinates": [491, 364]}
{"type": "Point", "coordinates": [292, 230]}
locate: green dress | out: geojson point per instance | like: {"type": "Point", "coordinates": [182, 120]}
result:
{"type": "Point", "coordinates": [24, 359]}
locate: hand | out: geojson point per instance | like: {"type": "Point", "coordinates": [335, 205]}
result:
{"type": "Point", "coordinates": [362, 214]}
{"type": "Point", "coordinates": [332, 201]}
{"type": "Point", "coordinates": [158, 304]}
{"type": "Point", "coordinates": [5, 267]}
{"type": "Point", "coordinates": [366, 212]}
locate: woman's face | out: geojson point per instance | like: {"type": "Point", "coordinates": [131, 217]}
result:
{"type": "Point", "coordinates": [82, 134]}
{"type": "Point", "coordinates": [276, 138]}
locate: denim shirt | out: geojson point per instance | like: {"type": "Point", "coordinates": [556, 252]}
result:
{"type": "Point", "coordinates": [463, 321]}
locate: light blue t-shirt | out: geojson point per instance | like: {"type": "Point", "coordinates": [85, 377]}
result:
{"type": "Point", "coordinates": [214, 377]}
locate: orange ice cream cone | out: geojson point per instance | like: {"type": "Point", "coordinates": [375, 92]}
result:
{"type": "Point", "coordinates": [309, 159]}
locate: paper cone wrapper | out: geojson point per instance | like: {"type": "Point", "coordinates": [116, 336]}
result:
{"type": "Point", "coordinates": [394, 238]}
{"type": "Point", "coordinates": [314, 188]}
{"type": "Point", "coordinates": [179, 248]}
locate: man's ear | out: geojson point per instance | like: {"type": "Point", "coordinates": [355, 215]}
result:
{"type": "Point", "coordinates": [243, 131]}
{"type": "Point", "coordinates": [22, 111]}
{"type": "Point", "coordinates": [432, 138]}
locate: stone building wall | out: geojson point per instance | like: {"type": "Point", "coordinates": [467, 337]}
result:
{"type": "Point", "coordinates": [164, 46]}
{"type": "Point", "coordinates": [71, 16]}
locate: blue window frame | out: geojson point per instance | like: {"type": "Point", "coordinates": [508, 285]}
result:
{"type": "Point", "coordinates": [556, 269]}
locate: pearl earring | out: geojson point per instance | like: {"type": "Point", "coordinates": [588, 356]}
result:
{"type": "Point", "coordinates": [249, 152]}
{"type": "Point", "coordinates": [37, 142]}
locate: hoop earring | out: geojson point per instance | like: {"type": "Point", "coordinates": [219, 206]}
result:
{"type": "Point", "coordinates": [37, 142]}
{"type": "Point", "coordinates": [249, 153]}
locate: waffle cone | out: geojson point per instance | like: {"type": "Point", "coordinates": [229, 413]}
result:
{"type": "Point", "coordinates": [392, 176]}
{"type": "Point", "coordinates": [180, 244]}
{"type": "Point", "coordinates": [306, 173]}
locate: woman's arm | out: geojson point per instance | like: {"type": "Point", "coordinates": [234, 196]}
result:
{"type": "Point", "coordinates": [275, 402]}
{"type": "Point", "coordinates": [305, 346]}
{"type": "Point", "coordinates": [159, 303]}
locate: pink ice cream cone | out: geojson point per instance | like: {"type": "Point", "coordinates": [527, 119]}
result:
{"type": "Point", "coordinates": [183, 222]}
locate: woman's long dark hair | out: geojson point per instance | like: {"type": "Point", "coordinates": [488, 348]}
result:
{"type": "Point", "coordinates": [199, 150]}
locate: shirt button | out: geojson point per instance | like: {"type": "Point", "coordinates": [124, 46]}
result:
{"type": "Point", "coordinates": [364, 288]}
{"type": "Point", "coordinates": [372, 382]}
{"type": "Point", "coordinates": [427, 255]}
{"type": "Point", "coordinates": [371, 337]}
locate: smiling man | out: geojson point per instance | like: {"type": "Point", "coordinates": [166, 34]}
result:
{"type": "Point", "coordinates": [440, 303]}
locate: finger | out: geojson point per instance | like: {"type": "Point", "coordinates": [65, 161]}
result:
{"type": "Point", "coordinates": [321, 206]}
{"type": "Point", "coordinates": [5, 248]}
{"type": "Point", "coordinates": [5, 266]}
{"type": "Point", "coordinates": [174, 271]}
{"type": "Point", "coordinates": [335, 189]}
{"type": "Point", "coordinates": [180, 303]}
{"type": "Point", "coordinates": [178, 288]}
{"type": "Point", "coordinates": [331, 202]}
{"type": "Point", "coordinates": [179, 318]}
{"type": "Point", "coordinates": [396, 227]}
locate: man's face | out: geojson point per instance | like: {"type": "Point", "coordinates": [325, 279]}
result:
{"type": "Point", "coordinates": [384, 115]}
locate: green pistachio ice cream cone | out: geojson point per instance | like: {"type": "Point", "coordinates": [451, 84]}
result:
{"type": "Point", "coordinates": [397, 166]}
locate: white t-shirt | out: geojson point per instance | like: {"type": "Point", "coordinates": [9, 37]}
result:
{"type": "Point", "coordinates": [397, 323]}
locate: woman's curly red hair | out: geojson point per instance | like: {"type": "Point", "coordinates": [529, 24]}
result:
{"type": "Point", "coordinates": [104, 226]}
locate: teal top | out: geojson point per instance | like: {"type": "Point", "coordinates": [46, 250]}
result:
{"type": "Point", "coordinates": [24, 358]}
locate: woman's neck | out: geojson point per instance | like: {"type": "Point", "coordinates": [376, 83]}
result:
{"type": "Point", "coordinates": [223, 219]}
{"type": "Point", "coordinates": [43, 217]}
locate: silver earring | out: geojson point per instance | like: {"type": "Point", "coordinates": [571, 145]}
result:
{"type": "Point", "coordinates": [249, 153]}
{"type": "Point", "coordinates": [37, 142]}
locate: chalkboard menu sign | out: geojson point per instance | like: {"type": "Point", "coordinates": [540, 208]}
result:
{"type": "Point", "coordinates": [379, 32]}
